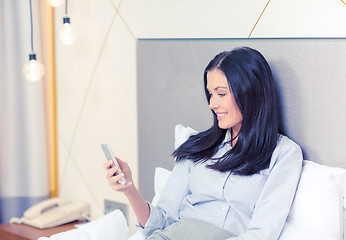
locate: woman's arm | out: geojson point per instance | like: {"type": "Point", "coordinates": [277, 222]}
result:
{"type": "Point", "coordinates": [136, 200]}
{"type": "Point", "coordinates": [138, 204]}
{"type": "Point", "coordinates": [168, 207]}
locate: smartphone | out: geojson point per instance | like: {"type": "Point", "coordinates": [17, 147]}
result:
{"type": "Point", "coordinates": [110, 156]}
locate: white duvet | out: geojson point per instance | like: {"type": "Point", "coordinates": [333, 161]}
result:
{"type": "Point", "coordinates": [112, 226]}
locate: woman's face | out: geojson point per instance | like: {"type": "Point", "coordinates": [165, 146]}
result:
{"type": "Point", "coordinates": [222, 102]}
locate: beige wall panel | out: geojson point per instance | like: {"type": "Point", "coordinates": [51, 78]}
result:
{"type": "Point", "coordinates": [191, 19]}
{"type": "Point", "coordinates": [76, 63]}
{"type": "Point", "coordinates": [308, 18]}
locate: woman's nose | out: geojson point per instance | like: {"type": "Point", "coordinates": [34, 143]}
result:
{"type": "Point", "coordinates": [212, 104]}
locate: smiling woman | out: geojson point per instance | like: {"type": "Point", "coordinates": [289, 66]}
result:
{"type": "Point", "coordinates": [233, 175]}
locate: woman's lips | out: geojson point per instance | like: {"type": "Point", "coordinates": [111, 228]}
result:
{"type": "Point", "coordinates": [220, 115]}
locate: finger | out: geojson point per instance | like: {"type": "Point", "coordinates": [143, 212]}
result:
{"type": "Point", "coordinates": [128, 184]}
{"type": "Point", "coordinates": [107, 164]}
{"type": "Point", "coordinates": [112, 171]}
{"type": "Point", "coordinates": [119, 160]}
{"type": "Point", "coordinates": [122, 164]}
{"type": "Point", "coordinates": [116, 178]}
{"type": "Point", "coordinates": [120, 187]}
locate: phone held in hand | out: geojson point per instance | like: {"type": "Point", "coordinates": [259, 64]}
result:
{"type": "Point", "coordinates": [110, 156]}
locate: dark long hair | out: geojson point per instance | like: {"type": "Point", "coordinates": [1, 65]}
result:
{"type": "Point", "coordinates": [251, 82]}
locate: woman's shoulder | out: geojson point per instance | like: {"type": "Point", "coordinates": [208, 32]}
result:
{"type": "Point", "coordinates": [288, 151]}
{"type": "Point", "coordinates": [284, 143]}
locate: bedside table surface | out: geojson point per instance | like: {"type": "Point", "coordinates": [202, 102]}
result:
{"type": "Point", "coordinates": [12, 231]}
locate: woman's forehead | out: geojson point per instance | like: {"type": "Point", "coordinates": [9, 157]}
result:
{"type": "Point", "coordinates": [216, 79]}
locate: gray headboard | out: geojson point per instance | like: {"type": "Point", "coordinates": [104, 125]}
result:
{"type": "Point", "coordinates": [310, 73]}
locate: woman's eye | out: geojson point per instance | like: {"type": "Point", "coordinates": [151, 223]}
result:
{"type": "Point", "coordinates": [222, 94]}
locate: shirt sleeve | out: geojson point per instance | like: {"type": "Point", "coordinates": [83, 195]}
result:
{"type": "Point", "coordinates": [276, 198]}
{"type": "Point", "coordinates": [168, 207]}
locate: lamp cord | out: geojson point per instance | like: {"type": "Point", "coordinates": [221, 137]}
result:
{"type": "Point", "coordinates": [32, 38]}
{"type": "Point", "coordinates": [66, 8]}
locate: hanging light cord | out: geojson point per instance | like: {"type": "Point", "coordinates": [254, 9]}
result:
{"type": "Point", "coordinates": [66, 8]}
{"type": "Point", "coordinates": [32, 38]}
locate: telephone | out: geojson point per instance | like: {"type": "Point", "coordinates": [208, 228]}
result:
{"type": "Point", "coordinates": [53, 212]}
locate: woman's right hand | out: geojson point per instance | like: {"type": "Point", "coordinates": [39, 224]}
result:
{"type": "Point", "coordinates": [139, 205]}
{"type": "Point", "coordinates": [113, 180]}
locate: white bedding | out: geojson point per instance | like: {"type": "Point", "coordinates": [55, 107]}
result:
{"type": "Point", "coordinates": [317, 212]}
{"type": "Point", "coordinates": [112, 226]}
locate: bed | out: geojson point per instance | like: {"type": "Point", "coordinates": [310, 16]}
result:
{"type": "Point", "coordinates": [318, 210]}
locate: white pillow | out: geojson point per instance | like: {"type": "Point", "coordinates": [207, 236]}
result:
{"type": "Point", "coordinates": [317, 210]}
{"type": "Point", "coordinates": [161, 177]}
{"type": "Point", "coordinates": [181, 134]}
{"type": "Point", "coordinates": [112, 226]}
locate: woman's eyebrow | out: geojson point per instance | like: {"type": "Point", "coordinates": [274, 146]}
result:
{"type": "Point", "coordinates": [220, 87]}
{"type": "Point", "coordinates": [215, 89]}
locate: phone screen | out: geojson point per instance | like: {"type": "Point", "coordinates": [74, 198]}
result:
{"type": "Point", "coordinates": [110, 156]}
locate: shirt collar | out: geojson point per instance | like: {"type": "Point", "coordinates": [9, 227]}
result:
{"type": "Point", "coordinates": [227, 139]}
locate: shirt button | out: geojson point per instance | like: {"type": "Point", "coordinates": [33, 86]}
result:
{"type": "Point", "coordinates": [219, 194]}
{"type": "Point", "coordinates": [223, 207]}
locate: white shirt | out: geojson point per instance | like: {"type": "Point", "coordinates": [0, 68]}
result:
{"type": "Point", "coordinates": [251, 207]}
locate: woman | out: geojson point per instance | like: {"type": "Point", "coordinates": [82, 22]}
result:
{"type": "Point", "coordinates": [236, 180]}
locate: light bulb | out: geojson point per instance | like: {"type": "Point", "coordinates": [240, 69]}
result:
{"type": "Point", "coordinates": [55, 3]}
{"type": "Point", "coordinates": [66, 33]}
{"type": "Point", "coordinates": [33, 70]}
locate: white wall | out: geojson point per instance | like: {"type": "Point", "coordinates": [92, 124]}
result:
{"type": "Point", "coordinates": [96, 76]}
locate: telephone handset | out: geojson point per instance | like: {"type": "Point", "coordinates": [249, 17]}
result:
{"type": "Point", "coordinates": [44, 206]}
{"type": "Point", "coordinates": [54, 212]}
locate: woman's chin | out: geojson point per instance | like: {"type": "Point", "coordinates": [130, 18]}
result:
{"type": "Point", "coordinates": [223, 126]}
